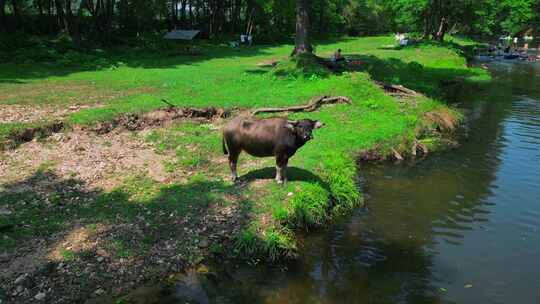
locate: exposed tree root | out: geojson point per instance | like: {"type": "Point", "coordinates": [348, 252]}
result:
{"type": "Point", "coordinates": [313, 105]}
{"type": "Point", "coordinates": [130, 121]}
{"type": "Point", "coordinates": [28, 134]}
{"type": "Point", "coordinates": [397, 155]}
{"type": "Point", "coordinates": [378, 154]}
{"type": "Point", "coordinates": [136, 121]}
{"type": "Point", "coordinates": [397, 90]}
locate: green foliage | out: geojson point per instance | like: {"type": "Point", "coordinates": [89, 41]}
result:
{"type": "Point", "coordinates": [309, 206]}
{"type": "Point", "coordinates": [322, 175]}
{"type": "Point", "coordinates": [67, 255]}
{"type": "Point", "coordinates": [134, 23]}
{"type": "Point", "coordinates": [193, 143]}
{"type": "Point", "coordinates": [339, 172]}
{"type": "Point", "coordinates": [269, 244]}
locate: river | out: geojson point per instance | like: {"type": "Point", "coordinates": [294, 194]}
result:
{"type": "Point", "coordinates": [458, 227]}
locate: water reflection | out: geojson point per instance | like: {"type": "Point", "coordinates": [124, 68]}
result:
{"type": "Point", "coordinates": [460, 227]}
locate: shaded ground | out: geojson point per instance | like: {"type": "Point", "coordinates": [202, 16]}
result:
{"type": "Point", "coordinates": [102, 213]}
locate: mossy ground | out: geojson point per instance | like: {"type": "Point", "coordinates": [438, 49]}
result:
{"type": "Point", "coordinates": [322, 176]}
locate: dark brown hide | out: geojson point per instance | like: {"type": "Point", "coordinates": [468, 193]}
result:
{"type": "Point", "coordinates": [277, 137]}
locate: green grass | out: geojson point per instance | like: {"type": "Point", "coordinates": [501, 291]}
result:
{"type": "Point", "coordinates": [322, 176]}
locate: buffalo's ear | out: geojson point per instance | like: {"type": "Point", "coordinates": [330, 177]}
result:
{"type": "Point", "coordinates": [318, 124]}
{"type": "Point", "coordinates": [291, 124]}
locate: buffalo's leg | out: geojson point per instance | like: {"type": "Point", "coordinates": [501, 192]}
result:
{"type": "Point", "coordinates": [281, 167]}
{"type": "Point", "coordinates": [233, 161]}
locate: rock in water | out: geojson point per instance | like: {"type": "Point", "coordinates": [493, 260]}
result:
{"type": "Point", "coordinates": [40, 296]}
{"type": "Point", "coordinates": [4, 211]}
{"type": "Point", "coordinates": [20, 279]}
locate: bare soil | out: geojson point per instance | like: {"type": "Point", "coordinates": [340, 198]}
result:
{"type": "Point", "coordinates": [85, 260]}
{"type": "Point", "coordinates": [16, 113]}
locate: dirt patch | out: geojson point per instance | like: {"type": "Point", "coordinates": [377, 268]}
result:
{"type": "Point", "coordinates": [100, 161]}
{"type": "Point", "coordinates": [28, 134]}
{"type": "Point", "coordinates": [26, 113]}
{"type": "Point", "coordinates": [131, 122]}
{"type": "Point", "coordinates": [92, 258]}
{"type": "Point", "coordinates": [88, 263]}
{"type": "Point", "coordinates": [137, 121]}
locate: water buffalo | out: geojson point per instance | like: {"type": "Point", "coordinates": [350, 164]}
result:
{"type": "Point", "coordinates": [277, 137]}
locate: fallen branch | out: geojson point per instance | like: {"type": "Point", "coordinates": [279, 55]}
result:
{"type": "Point", "coordinates": [419, 146]}
{"type": "Point", "coordinates": [313, 105]}
{"type": "Point", "coordinates": [397, 155]}
{"type": "Point", "coordinates": [168, 103]}
{"type": "Point", "coordinates": [398, 90]}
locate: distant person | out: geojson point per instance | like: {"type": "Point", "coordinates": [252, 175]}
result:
{"type": "Point", "coordinates": [401, 39]}
{"type": "Point", "coordinates": [338, 56]}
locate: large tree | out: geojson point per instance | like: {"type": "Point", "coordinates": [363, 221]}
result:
{"type": "Point", "coordinates": [302, 41]}
{"type": "Point", "coordinates": [2, 15]}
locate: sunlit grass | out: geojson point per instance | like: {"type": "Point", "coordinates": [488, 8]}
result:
{"type": "Point", "coordinates": [322, 171]}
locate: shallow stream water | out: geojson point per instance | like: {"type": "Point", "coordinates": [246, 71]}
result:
{"type": "Point", "coordinates": [459, 227]}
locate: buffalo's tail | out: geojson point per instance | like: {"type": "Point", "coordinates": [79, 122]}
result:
{"type": "Point", "coordinates": [224, 144]}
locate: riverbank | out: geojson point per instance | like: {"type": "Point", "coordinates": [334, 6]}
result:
{"type": "Point", "coordinates": [87, 213]}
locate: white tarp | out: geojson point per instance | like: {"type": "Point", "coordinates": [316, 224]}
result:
{"type": "Point", "coordinates": [181, 35]}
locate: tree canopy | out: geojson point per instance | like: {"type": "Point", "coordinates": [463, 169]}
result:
{"type": "Point", "coordinates": [268, 20]}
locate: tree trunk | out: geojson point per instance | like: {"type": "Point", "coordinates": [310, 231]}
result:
{"type": "Point", "coordinates": [183, 22]}
{"type": "Point", "coordinates": [3, 16]}
{"type": "Point", "coordinates": [235, 17]}
{"type": "Point", "coordinates": [321, 20]}
{"type": "Point", "coordinates": [302, 42]}
{"type": "Point", "coordinates": [174, 15]}
{"type": "Point", "coordinates": [60, 16]}
{"type": "Point", "coordinates": [16, 13]}
{"type": "Point", "coordinates": [191, 14]}
{"type": "Point", "coordinates": [74, 21]}
{"type": "Point", "coordinates": [443, 27]}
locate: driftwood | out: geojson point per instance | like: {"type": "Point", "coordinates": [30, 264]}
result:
{"type": "Point", "coordinates": [419, 146]}
{"type": "Point", "coordinates": [398, 90]}
{"type": "Point", "coordinates": [313, 105]}
{"type": "Point", "coordinates": [397, 155]}
{"type": "Point", "coordinates": [168, 103]}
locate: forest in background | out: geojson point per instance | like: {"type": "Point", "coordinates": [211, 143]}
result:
{"type": "Point", "coordinates": [112, 21]}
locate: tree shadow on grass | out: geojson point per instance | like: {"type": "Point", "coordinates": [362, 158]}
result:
{"type": "Point", "coordinates": [90, 60]}
{"type": "Point", "coordinates": [293, 174]}
{"type": "Point", "coordinates": [432, 82]}
{"type": "Point", "coordinates": [139, 232]}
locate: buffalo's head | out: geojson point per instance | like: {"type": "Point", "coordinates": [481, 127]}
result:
{"type": "Point", "coordinates": [303, 128]}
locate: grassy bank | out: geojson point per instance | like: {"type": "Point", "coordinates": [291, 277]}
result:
{"type": "Point", "coordinates": [259, 217]}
